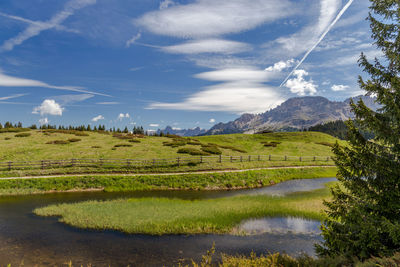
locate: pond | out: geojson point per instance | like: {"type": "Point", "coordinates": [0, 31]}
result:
{"type": "Point", "coordinates": [29, 239]}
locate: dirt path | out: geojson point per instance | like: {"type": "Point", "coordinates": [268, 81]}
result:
{"type": "Point", "coordinates": [159, 174]}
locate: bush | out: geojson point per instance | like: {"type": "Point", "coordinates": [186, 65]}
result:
{"type": "Point", "coordinates": [134, 141]}
{"type": "Point", "coordinates": [175, 142]}
{"type": "Point", "coordinates": [212, 150]}
{"type": "Point", "coordinates": [7, 138]}
{"type": "Point", "coordinates": [271, 144]}
{"type": "Point", "coordinates": [14, 130]}
{"type": "Point", "coordinates": [81, 134]}
{"type": "Point", "coordinates": [123, 145]}
{"type": "Point", "coordinates": [193, 152]}
{"type": "Point", "coordinates": [96, 146]}
{"type": "Point", "coordinates": [58, 142]}
{"type": "Point", "coordinates": [73, 140]}
{"type": "Point", "coordinates": [22, 135]}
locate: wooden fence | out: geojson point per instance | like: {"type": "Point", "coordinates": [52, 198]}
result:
{"type": "Point", "coordinates": [135, 163]}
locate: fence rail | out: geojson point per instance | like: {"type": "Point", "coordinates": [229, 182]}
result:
{"type": "Point", "coordinates": [136, 163]}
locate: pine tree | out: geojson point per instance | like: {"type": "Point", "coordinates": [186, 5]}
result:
{"type": "Point", "coordinates": [364, 214]}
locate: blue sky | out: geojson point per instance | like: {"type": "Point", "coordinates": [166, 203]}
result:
{"type": "Point", "coordinates": [182, 63]}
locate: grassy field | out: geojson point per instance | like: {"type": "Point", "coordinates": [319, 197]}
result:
{"type": "Point", "coordinates": [157, 216]}
{"type": "Point", "coordinates": [55, 146]}
{"type": "Point", "coordinates": [206, 181]}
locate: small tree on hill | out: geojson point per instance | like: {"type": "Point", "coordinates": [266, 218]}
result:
{"type": "Point", "coordinates": [364, 215]}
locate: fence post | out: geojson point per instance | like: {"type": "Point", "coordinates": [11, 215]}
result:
{"type": "Point", "coordinates": [285, 158]}
{"type": "Point", "coordinates": [220, 158]}
{"type": "Point", "coordinates": [231, 159]}
{"type": "Point", "coordinates": [241, 159]}
{"type": "Point", "coordinates": [201, 159]}
{"type": "Point", "coordinates": [42, 164]}
{"type": "Point", "coordinates": [300, 159]}
{"type": "Point", "coordinates": [178, 161]}
{"type": "Point", "coordinates": [72, 162]}
{"type": "Point", "coordinates": [249, 158]}
{"type": "Point", "coordinates": [315, 158]}
{"type": "Point", "coordinates": [259, 158]}
{"type": "Point", "coordinates": [128, 163]}
{"type": "Point", "coordinates": [269, 157]}
{"type": "Point", "coordinates": [327, 159]}
{"type": "Point", "coordinates": [154, 162]}
{"type": "Point", "coordinates": [9, 165]}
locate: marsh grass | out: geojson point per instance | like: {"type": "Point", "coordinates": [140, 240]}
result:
{"type": "Point", "coordinates": [158, 216]}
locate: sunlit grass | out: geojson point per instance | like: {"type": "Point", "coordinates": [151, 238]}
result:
{"type": "Point", "coordinates": [157, 216]}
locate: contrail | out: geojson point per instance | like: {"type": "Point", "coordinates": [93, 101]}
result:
{"type": "Point", "coordinates": [319, 40]}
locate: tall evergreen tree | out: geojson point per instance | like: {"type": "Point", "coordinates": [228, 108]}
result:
{"type": "Point", "coordinates": [364, 215]}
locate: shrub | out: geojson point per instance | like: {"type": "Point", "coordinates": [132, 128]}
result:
{"type": "Point", "coordinates": [271, 144]}
{"type": "Point", "coordinates": [123, 145]}
{"type": "Point", "coordinates": [193, 152]}
{"type": "Point", "coordinates": [73, 140]}
{"type": "Point", "coordinates": [22, 135]}
{"type": "Point", "coordinates": [7, 138]}
{"type": "Point", "coordinates": [96, 146]}
{"type": "Point", "coordinates": [134, 141]}
{"type": "Point", "coordinates": [212, 150]}
{"type": "Point", "coordinates": [81, 134]}
{"type": "Point", "coordinates": [58, 142]}
{"type": "Point", "coordinates": [175, 143]}
{"type": "Point", "coordinates": [14, 130]}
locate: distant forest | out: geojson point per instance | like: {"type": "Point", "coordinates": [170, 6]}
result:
{"type": "Point", "coordinates": [337, 129]}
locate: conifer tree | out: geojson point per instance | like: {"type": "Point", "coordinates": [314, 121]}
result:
{"type": "Point", "coordinates": [364, 214]}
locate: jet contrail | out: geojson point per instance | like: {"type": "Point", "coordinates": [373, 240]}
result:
{"type": "Point", "coordinates": [319, 40]}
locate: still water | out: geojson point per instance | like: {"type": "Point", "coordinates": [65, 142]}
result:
{"type": "Point", "coordinates": [31, 240]}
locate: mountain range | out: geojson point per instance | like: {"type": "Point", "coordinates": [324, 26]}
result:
{"type": "Point", "coordinates": [292, 115]}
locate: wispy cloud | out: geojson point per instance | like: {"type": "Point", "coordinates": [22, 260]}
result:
{"type": "Point", "coordinates": [35, 28]}
{"type": "Point", "coordinates": [10, 81]}
{"type": "Point", "coordinates": [133, 39]}
{"type": "Point", "coordinates": [339, 87]}
{"type": "Point", "coordinates": [11, 96]}
{"type": "Point", "coordinates": [208, 46]}
{"type": "Point", "coordinates": [122, 116]}
{"type": "Point", "coordinates": [38, 23]}
{"type": "Point", "coordinates": [202, 19]}
{"type": "Point", "coordinates": [108, 103]}
{"type": "Point", "coordinates": [70, 99]}
{"type": "Point", "coordinates": [321, 26]}
{"type": "Point", "coordinates": [166, 4]}
{"type": "Point", "coordinates": [154, 125]}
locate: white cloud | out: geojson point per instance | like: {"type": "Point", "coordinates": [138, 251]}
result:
{"type": "Point", "coordinates": [154, 125]}
{"type": "Point", "coordinates": [228, 97]}
{"type": "Point", "coordinates": [339, 87]}
{"type": "Point", "coordinates": [35, 29]}
{"type": "Point", "coordinates": [211, 121]}
{"type": "Point", "coordinates": [97, 118]}
{"type": "Point", "coordinates": [123, 116]}
{"type": "Point", "coordinates": [133, 39]}
{"type": "Point", "coordinates": [11, 97]}
{"type": "Point", "coordinates": [281, 65]}
{"type": "Point", "coordinates": [299, 85]}
{"type": "Point", "coordinates": [43, 121]}
{"type": "Point", "coordinates": [208, 46]}
{"type": "Point", "coordinates": [10, 81]}
{"type": "Point", "coordinates": [166, 4]}
{"type": "Point", "coordinates": [247, 74]}
{"type": "Point", "coordinates": [211, 18]}
{"type": "Point", "coordinates": [48, 107]}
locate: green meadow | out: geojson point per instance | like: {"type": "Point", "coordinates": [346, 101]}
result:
{"type": "Point", "coordinates": [53, 145]}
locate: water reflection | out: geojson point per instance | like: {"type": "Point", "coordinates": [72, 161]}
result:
{"type": "Point", "coordinates": [280, 226]}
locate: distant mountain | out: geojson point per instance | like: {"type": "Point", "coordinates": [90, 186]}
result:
{"type": "Point", "coordinates": [182, 132]}
{"type": "Point", "coordinates": [293, 114]}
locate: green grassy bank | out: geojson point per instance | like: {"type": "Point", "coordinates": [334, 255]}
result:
{"type": "Point", "coordinates": [195, 181]}
{"type": "Point", "coordinates": [157, 216]}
